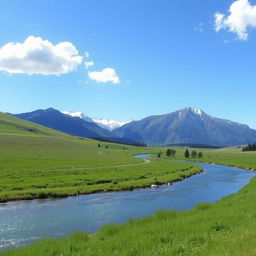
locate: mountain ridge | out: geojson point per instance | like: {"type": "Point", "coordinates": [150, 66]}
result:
{"type": "Point", "coordinates": [185, 126]}
{"type": "Point", "coordinates": [54, 119]}
{"type": "Point", "coordinates": [188, 125]}
{"type": "Point", "coordinates": [105, 123]}
{"type": "Point", "coordinates": [73, 125]}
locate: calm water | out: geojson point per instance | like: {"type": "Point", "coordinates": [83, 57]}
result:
{"type": "Point", "coordinates": [23, 222]}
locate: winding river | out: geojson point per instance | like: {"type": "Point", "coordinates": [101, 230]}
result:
{"type": "Point", "coordinates": [23, 222]}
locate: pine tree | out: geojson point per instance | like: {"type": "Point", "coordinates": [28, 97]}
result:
{"type": "Point", "coordinates": [186, 154]}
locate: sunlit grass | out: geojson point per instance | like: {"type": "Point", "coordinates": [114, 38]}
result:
{"type": "Point", "coordinates": [224, 228]}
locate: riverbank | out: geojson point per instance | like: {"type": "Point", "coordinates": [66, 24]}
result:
{"type": "Point", "coordinates": [244, 160]}
{"type": "Point", "coordinates": [43, 184]}
{"type": "Point", "coordinates": [226, 227]}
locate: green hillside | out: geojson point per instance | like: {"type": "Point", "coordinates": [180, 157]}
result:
{"type": "Point", "coordinates": [15, 126]}
{"type": "Point", "coordinates": [37, 162]}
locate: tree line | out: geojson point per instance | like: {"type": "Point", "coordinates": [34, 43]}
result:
{"type": "Point", "coordinates": [172, 152]}
{"type": "Point", "coordinates": [193, 154]}
{"type": "Point", "coordinates": [250, 147]}
{"type": "Point", "coordinates": [116, 140]}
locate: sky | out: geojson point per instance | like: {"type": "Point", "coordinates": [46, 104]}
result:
{"type": "Point", "coordinates": [129, 59]}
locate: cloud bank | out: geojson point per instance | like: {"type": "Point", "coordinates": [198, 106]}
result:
{"type": "Point", "coordinates": [38, 56]}
{"type": "Point", "coordinates": [104, 76]}
{"type": "Point", "coordinates": [241, 17]}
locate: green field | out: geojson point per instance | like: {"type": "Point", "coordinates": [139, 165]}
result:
{"type": "Point", "coordinates": [224, 228]}
{"type": "Point", "coordinates": [37, 162]}
{"type": "Point", "coordinates": [226, 156]}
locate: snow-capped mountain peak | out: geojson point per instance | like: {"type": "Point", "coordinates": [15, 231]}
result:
{"type": "Point", "coordinates": [102, 122]}
{"type": "Point", "coordinates": [109, 124]}
{"type": "Point", "coordinates": [79, 115]}
{"type": "Point", "coordinates": [197, 111]}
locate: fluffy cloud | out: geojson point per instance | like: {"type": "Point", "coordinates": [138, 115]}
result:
{"type": "Point", "coordinates": [38, 56]}
{"type": "Point", "coordinates": [104, 76]}
{"type": "Point", "coordinates": [242, 15]}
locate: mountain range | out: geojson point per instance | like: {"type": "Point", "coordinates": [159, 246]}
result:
{"type": "Point", "coordinates": [188, 125]}
{"type": "Point", "coordinates": [77, 124]}
{"type": "Point", "coordinates": [73, 125]}
{"type": "Point", "coordinates": [185, 126]}
{"type": "Point", "coordinates": [102, 122]}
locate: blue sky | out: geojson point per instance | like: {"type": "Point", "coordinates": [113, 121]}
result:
{"type": "Point", "coordinates": [163, 55]}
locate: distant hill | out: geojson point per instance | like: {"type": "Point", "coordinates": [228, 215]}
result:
{"type": "Point", "coordinates": [187, 126]}
{"type": "Point", "coordinates": [13, 125]}
{"type": "Point", "coordinates": [54, 119]}
{"type": "Point", "coordinates": [73, 125]}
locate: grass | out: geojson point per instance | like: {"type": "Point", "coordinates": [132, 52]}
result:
{"type": "Point", "coordinates": [228, 156]}
{"type": "Point", "coordinates": [37, 162]}
{"type": "Point", "coordinates": [245, 160]}
{"type": "Point", "coordinates": [224, 228]}
{"type": "Point", "coordinates": [42, 164]}
{"type": "Point", "coordinates": [43, 183]}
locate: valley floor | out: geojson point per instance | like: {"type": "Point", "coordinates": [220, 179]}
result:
{"type": "Point", "coordinates": [223, 228]}
{"type": "Point", "coordinates": [49, 167]}
{"type": "Point", "coordinates": [49, 164]}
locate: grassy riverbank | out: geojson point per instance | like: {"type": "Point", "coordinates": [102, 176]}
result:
{"type": "Point", "coordinates": [42, 183]}
{"type": "Point", "coordinates": [224, 228]}
{"type": "Point", "coordinates": [225, 156]}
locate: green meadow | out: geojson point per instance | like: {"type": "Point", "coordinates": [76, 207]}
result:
{"type": "Point", "coordinates": [223, 228]}
{"type": "Point", "coordinates": [231, 156]}
{"type": "Point", "coordinates": [37, 162]}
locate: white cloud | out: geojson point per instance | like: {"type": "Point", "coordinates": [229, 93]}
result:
{"type": "Point", "coordinates": [242, 15]}
{"type": "Point", "coordinates": [104, 76]}
{"type": "Point", "coordinates": [87, 54]}
{"type": "Point", "coordinates": [38, 56]}
{"type": "Point", "coordinates": [88, 64]}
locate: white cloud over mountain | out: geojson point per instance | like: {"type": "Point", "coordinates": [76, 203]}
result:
{"type": "Point", "coordinates": [104, 76]}
{"type": "Point", "coordinates": [38, 56]}
{"type": "Point", "coordinates": [241, 17]}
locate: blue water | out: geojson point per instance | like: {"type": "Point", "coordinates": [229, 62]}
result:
{"type": "Point", "coordinates": [23, 222]}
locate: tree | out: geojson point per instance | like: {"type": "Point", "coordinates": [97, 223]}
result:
{"type": "Point", "coordinates": [194, 154]}
{"type": "Point", "coordinates": [159, 154]}
{"type": "Point", "coordinates": [168, 152]}
{"type": "Point", "coordinates": [99, 145]}
{"type": "Point", "coordinates": [106, 146]}
{"type": "Point", "coordinates": [200, 155]}
{"type": "Point", "coordinates": [186, 154]}
{"type": "Point", "coordinates": [172, 152]}
{"type": "Point", "coordinates": [250, 147]}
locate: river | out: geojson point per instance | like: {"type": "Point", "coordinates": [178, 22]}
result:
{"type": "Point", "coordinates": [23, 222]}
